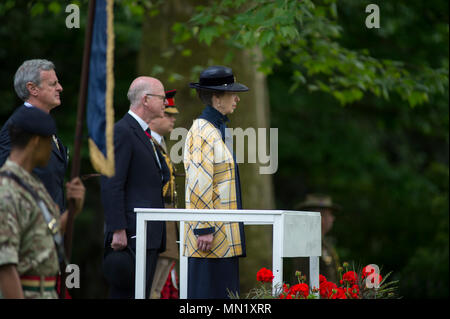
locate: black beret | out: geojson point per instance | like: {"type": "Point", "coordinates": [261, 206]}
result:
{"type": "Point", "coordinates": [34, 121]}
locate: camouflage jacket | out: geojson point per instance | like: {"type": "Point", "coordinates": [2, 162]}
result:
{"type": "Point", "coordinates": [25, 239]}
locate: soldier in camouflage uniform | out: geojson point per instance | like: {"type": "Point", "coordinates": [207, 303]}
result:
{"type": "Point", "coordinates": [165, 267]}
{"type": "Point", "coordinates": [329, 261]}
{"type": "Point", "coordinates": [28, 256]}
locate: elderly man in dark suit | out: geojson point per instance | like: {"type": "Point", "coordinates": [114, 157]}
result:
{"type": "Point", "coordinates": [140, 175]}
{"type": "Point", "coordinates": [36, 83]}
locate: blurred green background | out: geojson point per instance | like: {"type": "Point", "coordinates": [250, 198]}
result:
{"type": "Point", "coordinates": [385, 162]}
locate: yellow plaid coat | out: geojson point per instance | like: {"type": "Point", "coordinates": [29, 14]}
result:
{"type": "Point", "coordinates": [210, 184]}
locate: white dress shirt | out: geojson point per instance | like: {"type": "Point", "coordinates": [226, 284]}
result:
{"type": "Point", "coordinates": [139, 120]}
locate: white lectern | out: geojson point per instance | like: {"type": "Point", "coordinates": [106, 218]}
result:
{"type": "Point", "coordinates": [295, 234]}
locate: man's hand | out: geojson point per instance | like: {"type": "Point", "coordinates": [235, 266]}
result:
{"type": "Point", "coordinates": [204, 242]}
{"type": "Point", "coordinates": [119, 240]}
{"type": "Point", "coordinates": [76, 191]}
{"type": "Point", "coordinates": [10, 285]}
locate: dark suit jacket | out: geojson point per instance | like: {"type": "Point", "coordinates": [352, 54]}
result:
{"type": "Point", "coordinates": [137, 183]}
{"type": "Point", "coordinates": [52, 175]}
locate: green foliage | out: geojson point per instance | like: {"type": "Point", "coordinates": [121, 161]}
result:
{"type": "Point", "coordinates": [308, 34]}
{"type": "Point", "coordinates": [385, 163]}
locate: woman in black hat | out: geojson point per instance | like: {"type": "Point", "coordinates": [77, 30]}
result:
{"type": "Point", "coordinates": [212, 182]}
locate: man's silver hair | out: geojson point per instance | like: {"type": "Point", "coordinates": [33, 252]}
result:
{"type": "Point", "coordinates": [136, 92]}
{"type": "Point", "coordinates": [30, 71]}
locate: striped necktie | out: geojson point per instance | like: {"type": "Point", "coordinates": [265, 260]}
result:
{"type": "Point", "coordinates": [149, 134]}
{"type": "Point", "coordinates": [163, 145]}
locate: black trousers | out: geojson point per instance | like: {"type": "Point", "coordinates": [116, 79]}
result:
{"type": "Point", "coordinates": [118, 293]}
{"type": "Point", "coordinates": [212, 278]}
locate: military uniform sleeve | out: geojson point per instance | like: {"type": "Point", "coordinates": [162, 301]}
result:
{"type": "Point", "coordinates": [9, 229]}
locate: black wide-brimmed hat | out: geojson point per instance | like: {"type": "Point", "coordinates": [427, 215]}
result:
{"type": "Point", "coordinates": [119, 268]}
{"type": "Point", "coordinates": [218, 78]}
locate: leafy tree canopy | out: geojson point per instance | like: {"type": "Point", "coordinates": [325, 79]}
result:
{"type": "Point", "coordinates": [308, 34]}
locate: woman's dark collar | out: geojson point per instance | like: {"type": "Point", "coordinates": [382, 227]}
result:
{"type": "Point", "coordinates": [212, 115]}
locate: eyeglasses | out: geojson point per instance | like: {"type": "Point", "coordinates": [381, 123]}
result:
{"type": "Point", "coordinates": [162, 97]}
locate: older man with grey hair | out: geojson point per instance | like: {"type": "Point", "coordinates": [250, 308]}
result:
{"type": "Point", "coordinates": [141, 172]}
{"type": "Point", "coordinates": [36, 83]}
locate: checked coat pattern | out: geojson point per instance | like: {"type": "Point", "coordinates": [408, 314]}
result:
{"type": "Point", "coordinates": [210, 184]}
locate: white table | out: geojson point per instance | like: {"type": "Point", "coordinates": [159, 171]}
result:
{"type": "Point", "coordinates": [295, 234]}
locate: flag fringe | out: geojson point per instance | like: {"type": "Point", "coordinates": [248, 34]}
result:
{"type": "Point", "coordinates": [101, 164]}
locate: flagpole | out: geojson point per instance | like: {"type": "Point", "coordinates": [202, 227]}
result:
{"type": "Point", "coordinates": [76, 158]}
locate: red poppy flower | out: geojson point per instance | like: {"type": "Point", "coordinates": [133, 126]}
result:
{"type": "Point", "coordinates": [338, 293]}
{"type": "Point", "coordinates": [326, 289]}
{"type": "Point", "coordinates": [349, 277]}
{"type": "Point", "coordinates": [300, 290]}
{"type": "Point", "coordinates": [367, 271]}
{"type": "Point", "coordinates": [264, 275]}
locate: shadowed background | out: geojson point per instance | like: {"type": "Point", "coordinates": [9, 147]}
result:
{"type": "Point", "coordinates": [384, 162]}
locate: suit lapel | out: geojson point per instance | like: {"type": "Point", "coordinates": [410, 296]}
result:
{"type": "Point", "coordinates": [139, 132]}
{"type": "Point", "coordinates": [58, 152]}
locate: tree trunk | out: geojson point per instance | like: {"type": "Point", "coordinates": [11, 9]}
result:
{"type": "Point", "coordinates": [157, 49]}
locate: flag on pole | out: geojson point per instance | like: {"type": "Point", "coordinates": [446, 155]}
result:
{"type": "Point", "coordinates": [100, 110]}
